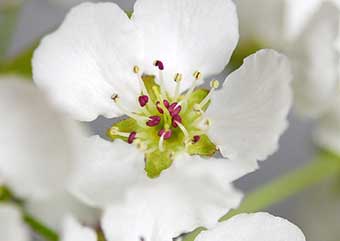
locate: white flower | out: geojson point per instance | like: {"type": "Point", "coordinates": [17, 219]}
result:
{"type": "Point", "coordinates": [96, 64]}
{"type": "Point", "coordinates": [93, 65]}
{"type": "Point", "coordinates": [37, 152]}
{"type": "Point", "coordinates": [11, 225]}
{"type": "Point", "coordinates": [243, 227]}
{"type": "Point", "coordinates": [253, 227]}
{"type": "Point", "coordinates": [312, 48]}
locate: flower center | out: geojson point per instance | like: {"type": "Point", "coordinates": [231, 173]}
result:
{"type": "Point", "coordinates": [166, 124]}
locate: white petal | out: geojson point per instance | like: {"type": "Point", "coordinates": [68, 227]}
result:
{"type": "Point", "coordinates": [315, 61]}
{"type": "Point", "coordinates": [107, 171]}
{"type": "Point", "coordinates": [327, 134]}
{"type": "Point", "coordinates": [11, 225]}
{"type": "Point", "coordinates": [52, 210]}
{"type": "Point", "coordinates": [89, 58]}
{"type": "Point", "coordinates": [249, 113]}
{"type": "Point", "coordinates": [73, 231]}
{"type": "Point", "coordinates": [188, 195]}
{"type": "Point", "coordinates": [265, 22]}
{"type": "Point", "coordinates": [38, 146]}
{"type": "Point", "coordinates": [253, 227]}
{"type": "Point", "coordinates": [187, 35]}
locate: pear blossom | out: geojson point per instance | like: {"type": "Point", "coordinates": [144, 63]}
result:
{"type": "Point", "coordinates": [147, 68]}
{"type": "Point", "coordinates": [37, 151]}
{"type": "Point", "coordinates": [162, 53]}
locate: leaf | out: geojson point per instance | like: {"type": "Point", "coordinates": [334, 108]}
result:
{"type": "Point", "coordinates": [204, 147]}
{"type": "Point", "coordinates": [156, 162]}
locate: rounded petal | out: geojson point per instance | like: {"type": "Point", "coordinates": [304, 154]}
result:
{"type": "Point", "coordinates": [73, 231]}
{"type": "Point", "coordinates": [106, 171]}
{"type": "Point", "coordinates": [327, 133]}
{"type": "Point", "coordinates": [188, 195]}
{"type": "Point", "coordinates": [38, 146]}
{"type": "Point", "coordinates": [88, 59]}
{"type": "Point", "coordinates": [55, 208]}
{"type": "Point", "coordinates": [265, 23]}
{"type": "Point", "coordinates": [315, 62]}
{"type": "Point", "coordinates": [253, 227]}
{"type": "Point", "coordinates": [12, 226]}
{"type": "Point", "coordinates": [249, 113]}
{"type": "Point", "coordinates": [187, 36]}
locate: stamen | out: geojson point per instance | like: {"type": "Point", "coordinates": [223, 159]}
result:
{"type": "Point", "coordinates": [167, 134]}
{"type": "Point", "coordinates": [196, 139]}
{"type": "Point", "coordinates": [174, 109]}
{"type": "Point", "coordinates": [185, 132]}
{"type": "Point", "coordinates": [143, 100]}
{"type": "Point", "coordinates": [197, 75]}
{"type": "Point", "coordinates": [153, 121]}
{"type": "Point", "coordinates": [160, 143]}
{"type": "Point", "coordinates": [159, 64]}
{"type": "Point", "coordinates": [136, 70]}
{"type": "Point", "coordinates": [176, 118]}
{"type": "Point", "coordinates": [132, 137]}
{"type": "Point", "coordinates": [178, 80]}
{"type": "Point", "coordinates": [116, 99]}
{"type": "Point", "coordinates": [114, 131]}
{"type": "Point", "coordinates": [214, 84]}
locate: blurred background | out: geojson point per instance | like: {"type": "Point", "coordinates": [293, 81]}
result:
{"type": "Point", "coordinates": [38, 17]}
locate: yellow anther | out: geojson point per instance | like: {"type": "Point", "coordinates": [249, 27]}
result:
{"type": "Point", "coordinates": [207, 123]}
{"type": "Point", "coordinates": [136, 69]}
{"type": "Point", "coordinates": [197, 75]}
{"type": "Point", "coordinates": [214, 84]}
{"type": "Point", "coordinates": [115, 97]}
{"type": "Point", "coordinates": [114, 131]}
{"type": "Point", "coordinates": [178, 77]}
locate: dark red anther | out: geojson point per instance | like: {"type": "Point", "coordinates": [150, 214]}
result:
{"type": "Point", "coordinates": [166, 134]}
{"type": "Point", "coordinates": [143, 100]}
{"type": "Point", "coordinates": [158, 106]}
{"type": "Point", "coordinates": [175, 119]}
{"type": "Point", "coordinates": [174, 109]}
{"type": "Point", "coordinates": [132, 137]}
{"type": "Point", "coordinates": [166, 103]}
{"type": "Point", "coordinates": [153, 121]}
{"type": "Point", "coordinates": [196, 139]}
{"type": "Point", "coordinates": [159, 64]}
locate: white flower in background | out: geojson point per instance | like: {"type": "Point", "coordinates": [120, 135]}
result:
{"type": "Point", "coordinates": [12, 228]}
{"type": "Point", "coordinates": [37, 152]}
{"type": "Point", "coordinates": [313, 50]}
{"type": "Point", "coordinates": [253, 227]}
{"type": "Point", "coordinates": [243, 227]}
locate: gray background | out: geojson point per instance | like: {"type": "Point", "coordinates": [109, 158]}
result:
{"type": "Point", "coordinates": [39, 16]}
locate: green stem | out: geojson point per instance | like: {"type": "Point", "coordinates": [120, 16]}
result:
{"type": "Point", "coordinates": [324, 166]}
{"type": "Point", "coordinates": [36, 225]}
{"type": "Point", "coordinates": [40, 229]}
